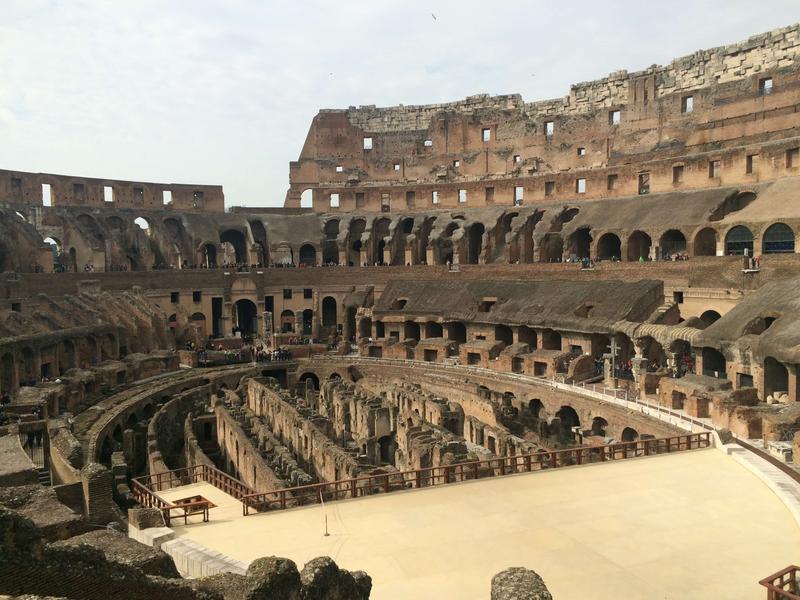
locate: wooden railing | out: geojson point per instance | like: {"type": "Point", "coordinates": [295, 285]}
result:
{"type": "Point", "coordinates": [144, 488]}
{"type": "Point", "coordinates": [414, 479]}
{"type": "Point", "coordinates": [783, 585]}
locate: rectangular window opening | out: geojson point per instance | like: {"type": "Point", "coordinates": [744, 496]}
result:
{"type": "Point", "coordinates": [687, 104]}
{"type": "Point", "coordinates": [549, 128]}
{"type": "Point", "coordinates": [360, 200]}
{"type": "Point", "coordinates": [517, 159]}
{"type": "Point", "coordinates": [486, 134]}
{"type": "Point", "coordinates": [612, 181]}
{"type": "Point", "coordinates": [287, 293]}
{"type": "Point", "coordinates": [339, 169]}
{"type": "Point", "coordinates": [47, 195]}
{"type": "Point", "coordinates": [174, 297]}
{"type": "Point", "coordinates": [519, 194]}
{"type": "Point", "coordinates": [434, 197]}
{"type": "Point", "coordinates": [580, 186]}
{"type": "Point", "coordinates": [462, 196]}
{"type": "Point", "coordinates": [644, 183]}
{"type": "Point", "coordinates": [489, 195]}
{"type": "Point", "coordinates": [167, 197]}
{"type": "Point", "coordinates": [428, 143]}
{"type": "Point", "coordinates": [411, 199]}
{"type": "Point", "coordinates": [108, 193]}
{"type": "Point", "coordinates": [751, 165]}
{"type": "Point", "coordinates": [367, 143]}
{"type": "Point", "coordinates": [396, 166]}
{"type": "Point", "coordinates": [714, 168]}
{"type": "Point", "coordinates": [792, 158]}
{"type": "Point", "coordinates": [196, 296]}
{"type": "Point", "coordinates": [334, 200]}
{"type": "Point", "coordinates": [581, 151]}
{"type": "Point", "coordinates": [456, 164]}
{"type": "Point", "coordinates": [78, 189]}
{"type": "Point", "coordinates": [386, 202]}
{"type": "Point", "coordinates": [765, 86]}
{"type": "Point", "coordinates": [549, 188]}
{"type": "Point", "coordinates": [677, 174]}
{"type": "Point", "coordinates": [308, 293]}
{"type": "Point", "coordinates": [614, 117]}
{"type": "Point", "coordinates": [138, 195]}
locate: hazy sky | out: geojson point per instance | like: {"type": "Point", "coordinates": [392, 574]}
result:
{"type": "Point", "coordinates": [203, 91]}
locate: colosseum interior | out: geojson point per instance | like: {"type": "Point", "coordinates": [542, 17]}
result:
{"type": "Point", "coordinates": [486, 299]}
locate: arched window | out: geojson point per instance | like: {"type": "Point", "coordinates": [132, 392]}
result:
{"type": "Point", "coordinates": [778, 237]}
{"type": "Point", "coordinates": [739, 240]}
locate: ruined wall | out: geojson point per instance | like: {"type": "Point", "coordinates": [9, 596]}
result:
{"type": "Point", "coordinates": [29, 188]}
{"type": "Point", "coordinates": [489, 146]}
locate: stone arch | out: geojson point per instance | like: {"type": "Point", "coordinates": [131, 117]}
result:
{"type": "Point", "coordinates": [710, 317]}
{"type": "Point", "coordinates": [580, 243]}
{"type": "Point", "coordinates": [599, 425]}
{"type": "Point", "coordinates": [629, 434]}
{"type": "Point", "coordinates": [714, 363]}
{"type": "Point", "coordinates": [457, 331]}
{"type": "Point", "coordinates": [355, 244]}
{"type": "Point", "coordinates": [433, 329]}
{"type": "Point", "coordinates": [568, 417]}
{"type": "Point", "coordinates": [552, 248]}
{"type": "Point", "coordinates": [776, 377]}
{"type": "Point", "coordinates": [209, 255]}
{"type": "Point", "coordinates": [738, 241]}
{"type": "Point", "coordinates": [673, 242]}
{"type": "Point", "coordinates": [705, 242]}
{"type": "Point", "coordinates": [474, 242]}
{"type": "Point", "coordinates": [143, 223]}
{"type": "Point", "coordinates": [309, 376]}
{"type": "Point", "coordinates": [639, 244]}
{"type": "Point", "coordinates": [503, 333]}
{"type": "Point", "coordinates": [536, 408]}
{"type": "Point", "coordinates": [237, 239]}
{"type": "Point", "coordinates": [245, 314]}
{"type": "Point", "coordinates": [411, 330]}
{"type": "Point", "coordinates": [287, 321]}
{"type": "Point", "coordinates": [198, 321]}
{"type": "Point", "coordinates": [329, 312]}
{"type": "Point", "coordinates": [778, 238]}
{"type": "Point", "coordinates": [307, 255]}
{"type": "Point", "coordinates": [609, 247]}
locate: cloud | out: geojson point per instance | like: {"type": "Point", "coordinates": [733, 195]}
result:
{"type": "Point", "coordinates": [223, 92]}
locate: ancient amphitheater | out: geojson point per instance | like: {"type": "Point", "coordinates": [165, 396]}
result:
{"type": "Point", "coordinates": [488, 348]}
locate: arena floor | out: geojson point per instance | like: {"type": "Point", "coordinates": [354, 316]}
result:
{"type": "Point", "coordinates": [679, 526]}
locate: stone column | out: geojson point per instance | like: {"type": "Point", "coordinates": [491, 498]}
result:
{"type": "Point", "coordinates": [315, 319]}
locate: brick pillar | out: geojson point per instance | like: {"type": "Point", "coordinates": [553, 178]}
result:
{"type": "Point", "coordinates": [98, 502]}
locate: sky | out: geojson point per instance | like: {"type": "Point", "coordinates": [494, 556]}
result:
{"type": "Point", "coordinates": [223, 91]}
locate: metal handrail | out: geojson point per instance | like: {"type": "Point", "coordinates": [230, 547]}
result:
{"type": "Point", "coordinates": [417, 478]}
{"type": "Point", "coordinates": [783, 585]}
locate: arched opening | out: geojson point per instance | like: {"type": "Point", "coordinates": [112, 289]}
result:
{"type": "Point", "coordinates": [143, 224]}
{"type": "Point", "coordinates": [673, 243]}
{"type": "Point", "coordinates": [778, 238]}
{"type": "Point", "coordinates": [306, 377]}
{"type": "Point", "coordinates": [357, 228]}
{"type": "Point", "coordinates": [653, 353]}
{"type": "Point", "coordinates": [709, 317]}
{"type": "Point", "coordinates": [308, 321]}
{"type": "Point", "coordinates": [599, 425]}
{"type": "Point", "coordinates": [198, 321]}
{"type": "Point", "coordinates": [535, 408]}
{"type": "Point", "coordinates": [714, 364]}
{"type": "Point", "coordinates": [307, 198]}
{"type": "Point", "coordinates": [639, 246]}
{"type": "Point", "coordinates": [411, 330]}
{"type": "Point", "coordinates": [55, 248]}
{"type": "Point", "coordinates": [551, 248]}
{"type": "Point", "coordinates": [580, 244]}
{"type": "Point", "coordinates": [738, 241]}
{"type": "Point", "coordinates": [308, 255]}
{"type": "Point", "coordinates": [283, 255]}
{"type": "Point", "coordinates": [261, 245]}
{"type": "Point", "coordinates": [433, 330]}
{"type": "Point", "coordinates": [236, 239]}
{"type": "Point", "coordinates": [209, 252]}
{"type": "Point", "coordinates": [73, 260]}
{"type": "Point", "coordinates": [705, 242]}
{"type": "Point", "coordinates": [568, 418]}
{"type": "Point", "coordinates": [246, 316]}
{"type": "Point", "coordinates": [776, 378]}
{"type": "Point", "coordinates": [287, 321]}
{"type": "Point", "coordinates": [380, 329]}
{"type": "Point", "coordinates": [330, 248]}
{"type": "Point", "coordinates": [551, 340]}
{"type": "Point", "coordinates": [629, 434]}
{"type": "Point", "coordinates": [329, 318]}
{"type": "Point", "coordinates": [526, 335]}
{"type": "Point", "coordinates": [457, 332]}
{"type": "Point", "coordinates": [475, 243]}
{"type": "Point", "coordinates": [609, 247]}
{"type": "Point", "coordinates": [503, 333]}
